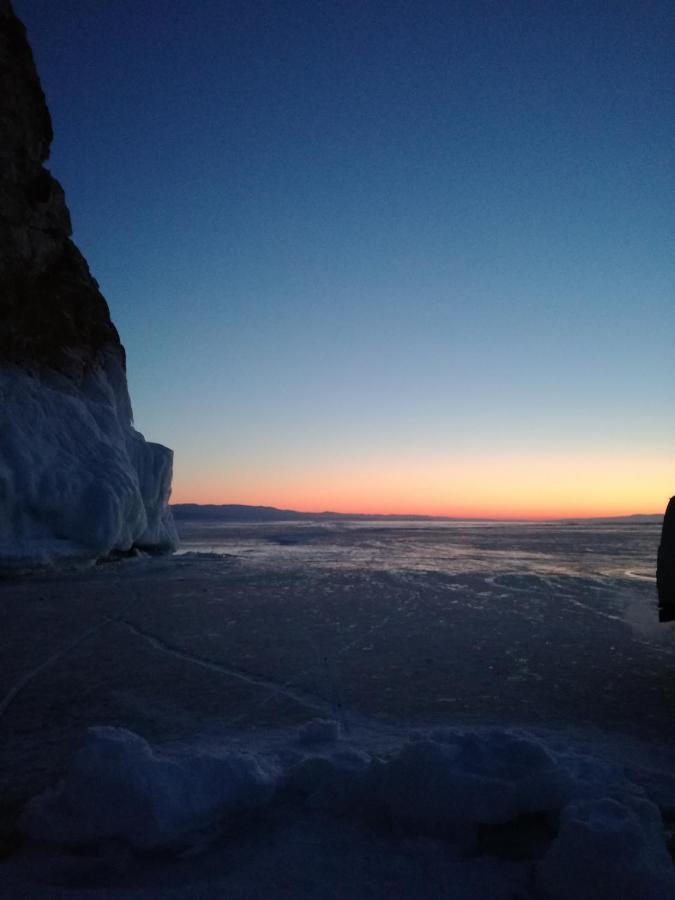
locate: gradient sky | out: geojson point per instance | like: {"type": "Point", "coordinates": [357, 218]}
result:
{"type": "Point", "coordinates": [381, 257]}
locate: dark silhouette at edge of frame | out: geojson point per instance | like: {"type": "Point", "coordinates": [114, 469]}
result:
{"type": "Point", "coordinates": [665, 566]}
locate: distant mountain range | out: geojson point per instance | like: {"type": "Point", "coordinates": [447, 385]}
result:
{"type": "Point", "coordinates": [233, 512]}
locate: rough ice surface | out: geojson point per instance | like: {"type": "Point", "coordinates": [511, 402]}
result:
{"type": "Point", "coordinates": [117, 787]}
{"type": "Point", "coordinates": [517, 668]}
{"type": "Point", "coordinates": [604, 838]}
{"type": "Point", "coordinates": [76, 479]}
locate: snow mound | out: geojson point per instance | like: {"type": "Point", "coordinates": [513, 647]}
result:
{"type": "Point", "coordinates": [608, 849]}
{"type": "Point", "coordinates": [76, 479]}
{"type": "Point", "coordinates": [453, 782]}
{"type": "Point", "coordinates": [117, 787]}
{"type": "Point", "coordinates": [319, 731]}
{"type": "Point", "coordinates": [445, 784]}
{"type": "Point", "coordinates": [598, 834]}
{"type": "Point", "coordinates": [336, 783]}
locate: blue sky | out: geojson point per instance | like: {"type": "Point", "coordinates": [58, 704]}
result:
{"type": "Point", "coordinates": [352, 247]}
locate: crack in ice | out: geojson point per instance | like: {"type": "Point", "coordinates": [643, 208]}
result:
{"type": "Point", "coordinates": [18, 686]}
{"type": "Point", "coordinates": [13, 692]}
{"type": "Point", "coordinates": [303, 699]}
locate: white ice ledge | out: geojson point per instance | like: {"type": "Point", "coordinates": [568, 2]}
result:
{"type": "Point", "coordinates": [77, 481]}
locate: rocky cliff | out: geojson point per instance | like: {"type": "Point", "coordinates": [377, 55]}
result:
{"type": "Point", "coordinates": [76, 479]}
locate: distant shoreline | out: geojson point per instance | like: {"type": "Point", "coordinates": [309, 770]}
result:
{"type": "Point", "coordinates": [231, 512]}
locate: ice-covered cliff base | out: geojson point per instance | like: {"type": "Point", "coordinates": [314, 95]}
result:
{"type": "Point", "coordinates": [77, 481]}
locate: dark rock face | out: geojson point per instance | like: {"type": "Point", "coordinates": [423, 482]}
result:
{"type": "Point", "coordinates": [665, 567]}
{"type": "Point", "coordinates": [53, 313]}
{"type": "Point", "coordinates": [74, 474]}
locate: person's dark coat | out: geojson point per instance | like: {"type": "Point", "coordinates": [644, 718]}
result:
{"type": "Point", "coordinates": [665, 566]}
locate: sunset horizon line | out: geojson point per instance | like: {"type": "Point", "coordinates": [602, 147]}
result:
{"type": "Point", "coordinates": [457, 516]}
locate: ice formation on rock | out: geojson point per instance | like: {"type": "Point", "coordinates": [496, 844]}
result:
{"type": "Point", "coordinates": [76, 479]}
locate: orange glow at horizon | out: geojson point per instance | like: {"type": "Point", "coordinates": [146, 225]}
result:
{"type": "Point", "coordinates": [499, 487]}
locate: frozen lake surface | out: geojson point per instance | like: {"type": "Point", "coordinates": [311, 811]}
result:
{"type": "Point", "coordinates": [385, 629]}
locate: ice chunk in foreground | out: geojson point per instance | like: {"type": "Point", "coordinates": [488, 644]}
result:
{"type": "Point", "coordinates": [608, 849]}
{"type": "Point", "coordinates": [443, 785]}
{"type": "Point", "coordinates": [460, 780]}
{"type": "Point", "coordinates": [336, 782]}
{"type": "Point", "coordinates": [319, 731]}
{"type": "Point", "coordinates": [117, 787]}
